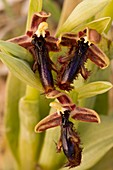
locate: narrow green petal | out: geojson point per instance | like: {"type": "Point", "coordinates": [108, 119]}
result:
{"type": "Point", "coordinates": [93, 89]}
{"type": "Point", "coordinates": [85, 10]}
{"type": "Point", "coordinates": [21, 70]}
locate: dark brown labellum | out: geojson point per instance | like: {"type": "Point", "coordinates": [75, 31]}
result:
{"type": "Point", "coordinates": [69, 141]}
{"type": "Point", "coordinates": [43, 63]}
{"type": "Point", "coordinates": [75, 65]}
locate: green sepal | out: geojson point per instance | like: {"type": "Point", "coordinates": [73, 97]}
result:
{"type": "Point", "coordinates": [93, 89]}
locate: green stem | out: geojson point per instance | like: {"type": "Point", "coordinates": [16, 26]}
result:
{"type": "Point", "coordinates": [29, 141]}
{"type": "Point", "coordinates": [31, 93]}
{"type": "Point", "coordinates": [15, 90]}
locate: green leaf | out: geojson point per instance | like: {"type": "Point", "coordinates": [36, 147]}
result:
{"type": "Point", "coordinates": [105, 163]}
{"type": "Point", "coordinates": [21, 70]}
{"type": "Point", "coordinates": [99, 25]}
{"type": "Point", "coordinates": [93, 89]}
{"type": "Point", "coordinates": [16, 50]}
{"type": "Point", "coordinates": [34, 6]}
{"type": "Point", "coordinates": [97, 141]}
{"type": "Point", "coordinates": [85, 10]}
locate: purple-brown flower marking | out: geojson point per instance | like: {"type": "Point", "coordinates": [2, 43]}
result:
{"type": "Point", "coordinates": [81, 47]}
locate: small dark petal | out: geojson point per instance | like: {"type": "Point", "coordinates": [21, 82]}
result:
{"type": "Point", "coordinates": [52, 43]}
{"type": "Point", "coordinates": [84, 72]}
{"type": "Point", "coordinates": [69, 35]}
{"type": "Point", "coordinates": [96, 55]}
{"type": "Point", "coordinates": [64, 59]}
{"type": "Point", "coordinates": [82, 34]}
{"type": "Point", "coordinates": [59, 145]}
{"type": "Point", "coordinates": [65, 86]}
{"type": "Point", "coordinates": [50, 121]}
{"type": "Point", "coordinates": [68, 39]}
{"type": "Point", "coordinates": [29, 33]}
{"type": "Point", "coordinates": [62, 97]}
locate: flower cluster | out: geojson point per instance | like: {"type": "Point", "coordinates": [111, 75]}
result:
{"type": "Point", "coordinates": [81, 46]}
